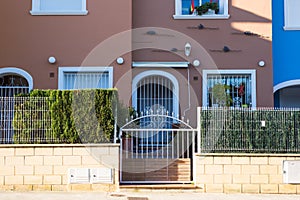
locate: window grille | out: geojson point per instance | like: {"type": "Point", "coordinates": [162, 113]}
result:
{"type": "Point", "coordinates": [155, 97]}
{"type": "Point", "coordinates": [155, 94]}
{"type": "Point", "coordinates": [86, 80]}
{"type": "Point", "coordinates": [229, 90]}
{"type": "Point", "coordinates": [11, 85]}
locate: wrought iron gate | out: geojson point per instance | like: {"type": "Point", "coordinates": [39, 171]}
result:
{"type": "Point", "coordinates": [156, 148]}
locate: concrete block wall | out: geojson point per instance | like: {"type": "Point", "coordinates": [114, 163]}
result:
{"type": "Point", "coordinates": [243, 173]}
{"type": "Point", "coordinates": [45, 167]}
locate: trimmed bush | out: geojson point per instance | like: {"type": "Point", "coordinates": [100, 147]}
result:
{"type": "Point", "coordinates": [77, 116]}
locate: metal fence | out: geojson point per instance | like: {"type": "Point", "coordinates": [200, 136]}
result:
{"type": "Point", "coordinates": [158, 143]}
{"type": "Point", "coordinates": [25, 120]}
{"type": "Point", "coordinates": [51, 120]}
{"type": "Point", "coordinates": [261, 130]}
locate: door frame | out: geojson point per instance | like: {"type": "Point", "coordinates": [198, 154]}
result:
{"type": "Point", "coordinates": [165, 74]}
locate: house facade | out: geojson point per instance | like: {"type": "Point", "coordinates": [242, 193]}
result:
{"type": "Point", "coordinates": [164, 58]}
{"type": "Point", "coordinates": [285, 46]}
{"type": "Point", "coordinates": [233, 48]}
{"type": "Point", "coordinates": [161, 56]}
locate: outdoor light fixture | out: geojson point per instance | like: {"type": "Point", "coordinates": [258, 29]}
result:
{"type": "Point", "coordinates": [187, 49]}
{"type": "Point", "coordinates": [196, 63]}
{"type": "Point", "coordinates": [261, 63]}
{"type": "Point", "coordinates": [120, 60]}
{"type": "Point", "coordinates": [52, 60]}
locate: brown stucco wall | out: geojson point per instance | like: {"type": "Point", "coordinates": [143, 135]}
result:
{"type": "Point", "coordinates": [244, 16]}
{"type": "Point", "coordinates": [28, 41]}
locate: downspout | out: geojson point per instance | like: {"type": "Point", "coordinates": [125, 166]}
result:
{"type": "Point", "coordinates": [115, 124]}
{"type": "Point", "coordinates": [189, 93]}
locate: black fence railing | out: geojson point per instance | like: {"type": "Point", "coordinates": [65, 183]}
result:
{"type": "Point", "coordinates": [261, 130]}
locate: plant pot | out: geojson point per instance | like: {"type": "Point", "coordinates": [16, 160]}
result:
{"type": "Point", "coordinates": [127, 144]}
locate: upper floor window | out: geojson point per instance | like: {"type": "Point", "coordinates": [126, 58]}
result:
{"type": "Point", "coordinates": [291, 15]}
{"type": "Point", "coordinates": [58, 7]}
{"type": "Point", "coordinates": [201, 9]}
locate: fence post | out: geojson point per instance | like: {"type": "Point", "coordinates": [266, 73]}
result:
{"type": "Point", "coordinates": [198, 129]}
{"type": "Point", "coordinates": [115, 125]}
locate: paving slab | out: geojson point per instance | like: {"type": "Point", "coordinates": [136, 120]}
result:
{"type": "Point", "coordinates": [158, 195]}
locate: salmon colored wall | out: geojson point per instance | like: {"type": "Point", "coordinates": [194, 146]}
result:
{"type": "Point", "coordinates": [28, 41]}
{"type": "Point", "coordinates": [254, 16]}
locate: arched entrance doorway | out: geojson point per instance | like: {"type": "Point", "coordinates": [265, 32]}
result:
{"type": "Point", "coordinates": [287, 94]}
{"type": "Point", "coordinates": [155, 92]}
{"type": "Point", "coordinates": [156, 141]}
{"type": "Point", "coordinates": [14, 81]}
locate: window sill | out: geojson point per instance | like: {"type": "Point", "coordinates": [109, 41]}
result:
{"type": "Point", "coordinates": [291, 28]}
{"type": "Point", "coordinates": [201, 16]}
{"type": "Point", "coordinates": [85, 12]}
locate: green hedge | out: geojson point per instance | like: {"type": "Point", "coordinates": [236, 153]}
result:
{"type": "Point", "coordinates": [77, 116]}
{"type": "Point", "coordinates": [241, 130]}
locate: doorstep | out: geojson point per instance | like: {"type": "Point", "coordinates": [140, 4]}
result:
{"type": "Point", "coordinates": [181, 187]}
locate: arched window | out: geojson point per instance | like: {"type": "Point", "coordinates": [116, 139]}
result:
{"type": "Point", "coordinates": [14, 81]}
{"type": "Point", "coordinates": [11, 84]}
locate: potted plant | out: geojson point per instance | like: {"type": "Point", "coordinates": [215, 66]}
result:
{"type": "Point", "coordinates": [207, 7]}
{"type": "Point", "coordinates": [220, 95]}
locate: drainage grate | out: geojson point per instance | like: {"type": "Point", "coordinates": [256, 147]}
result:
{"type": "Point", "coordinates": [137, 198]}
{"type": "Point", "coordinates": [117, 195]}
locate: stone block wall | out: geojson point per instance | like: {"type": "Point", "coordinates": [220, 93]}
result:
{"type": "Point", "coordinates": [45, 167]}
{"type": "Point", "coordinates": [243, 173]}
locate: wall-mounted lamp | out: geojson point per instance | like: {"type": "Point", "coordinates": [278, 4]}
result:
{"type": "Point", "coordinates": [187, 49]}
{"type": "Point", "coordinates": [52, 60]}
{"type": "Point", "coordinates": [120, 60]}
{"type": "Point", "coordinates": [261, 63]}
{"type": "Point", "coordinates": [196, 63]}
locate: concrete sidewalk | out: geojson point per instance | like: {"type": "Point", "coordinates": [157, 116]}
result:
{"type": "Point", "coordinates": [163, 195]}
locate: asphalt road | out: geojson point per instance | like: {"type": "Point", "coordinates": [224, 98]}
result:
{"type": "Point", "coordinates": [162, 195]}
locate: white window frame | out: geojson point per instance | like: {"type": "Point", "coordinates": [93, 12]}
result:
{"type": "Point", "coordinates": [178, 12]}
{"type": "Point", "coordinates": [161, 64]}
{"type": "Point", "coordinates": [62, 70]}
{"type": "Point", "coordinates": [289, 15]}
{"type": "Point", "coordinates": [252, 73]}
{"type": "Point", "coordinates": [36, 9]}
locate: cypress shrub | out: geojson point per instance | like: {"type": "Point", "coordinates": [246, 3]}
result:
{"type": "Point", "coordinates": [77, 116]}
